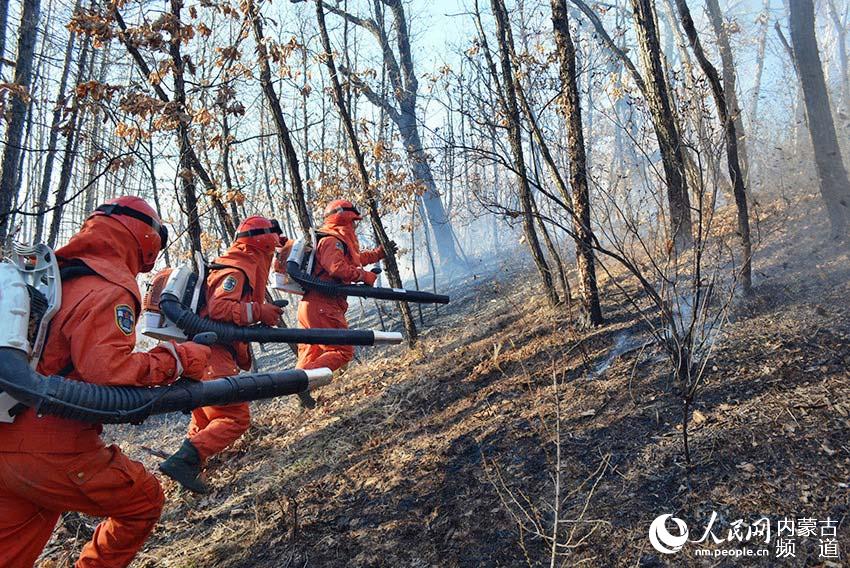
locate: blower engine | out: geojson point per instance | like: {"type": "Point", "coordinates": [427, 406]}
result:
{"type": "Point", "coordinates": [31, 294]}
{"type": "Point", "coordinates": [176, 296]}
{"type": "Point", "coordinates": [299, 278]}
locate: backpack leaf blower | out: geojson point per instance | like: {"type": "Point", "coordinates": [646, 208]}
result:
{"type": "Point", "coordinates": [299, 278]}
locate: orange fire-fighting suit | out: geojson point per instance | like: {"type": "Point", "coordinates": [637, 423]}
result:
{"type": "Point", "coordinates": [340, 260]}
{"type": "Point", "coordinates": [49, 465]}
{"type": "Point", "coordinates": [235, 295]}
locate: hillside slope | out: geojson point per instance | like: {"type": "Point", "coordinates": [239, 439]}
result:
{"type": "Point", "coordinates": [444, 455]}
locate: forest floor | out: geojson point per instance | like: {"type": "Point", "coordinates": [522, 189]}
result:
{"type": "Point", "coordinates": [444, 455]}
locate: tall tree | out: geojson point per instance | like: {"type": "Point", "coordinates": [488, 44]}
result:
{"type": "Point", "coordinates": [17, 114]}
{"type": "Point", "coordinates": [724, 111]}
{"type": "Point", "coordinates": [185, 173]}
{"type": "Point", "coordinates": [372, 200]}
{"type": "Point", "coordinates": [669, 142]}
{"type": "Point", "coordinates": [840, 23]}
{"type": "Point", "coordinates": [834, 185]}
{"type": "Point", "coordinates": [515, 139]}
{"type": "Point", "coordinates": [283, 132]}
{"type": "Point", "coordinates": [715, 16]}
{"type": "Point", "coordinates": [50, 156]}
{"type": "Point", "coordinates": [571, 104]}
{"type": "Point", "coordinates": [405, 89]}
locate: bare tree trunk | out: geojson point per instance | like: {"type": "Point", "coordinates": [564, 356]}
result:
{"type": "Point", "coordinates": [658, 98]}
{"type": "Point", "coordinates": [185, 173]}
{"type": "Point", "coordinates": [727, 120]}
{"type": "Point", "coordinates": [515, 137]}
{"type": "Point", "coordinates": [70, 154]}
{"type": "Point", "coordinates": [41, 203]}
{"type": "Point", "coordinates": [390, 262]}
{"type": "Point", "coordinates": [834, 185]}
{"type": "Point", "coordinates": [841, 41]}
{"type": "Point", "coordinates": [715, 16]}
{"type": "Point", "coordinates": [4, 20]}
{"type": "Point", "coordinates": [570, 101]}
{"type": "Point", "coordinates": [764, 19]}
{"type": "Point", "coordinates": [17, 113]}
{"type": "Point", "coordinates": [280, 122]}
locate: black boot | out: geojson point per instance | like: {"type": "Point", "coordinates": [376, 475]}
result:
{"type": "Point", "coordinates": [184, 467]}
{"type": "Point", "coordinates": [306, 400]}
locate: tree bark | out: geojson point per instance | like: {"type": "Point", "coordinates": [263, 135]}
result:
{"type": "Point", "coordinates": [834, 185]}
{"type": "Point", "coordinates": [4, 20]}
{"type": "Point", "coordinates": [515, 138]}
{"type": "Point", "coordinates": [280, 122]}
{"type": "Point", "coordinates": [570, 101]}
{"type": "Point", "coordinates": [715, 16]}
{"type": "Point", "coordinates": [727, 120]}
{"type": "Point", "coordinates": [390, 262]}
{"type": "Point", "coordinates": [17, 112]}
{"type": "Point", "coordinates": [658, 99]}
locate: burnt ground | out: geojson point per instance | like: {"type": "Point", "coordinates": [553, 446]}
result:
{"type": "Point", "coordinates": [445, 455]}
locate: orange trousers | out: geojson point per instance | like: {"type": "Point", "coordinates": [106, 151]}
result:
{"type": "Point", "coordinates": [213, 428]}
{"type": "Point", "coordinates": [315, 312]}
{"type": "Point", "coordinates": [35, 489]}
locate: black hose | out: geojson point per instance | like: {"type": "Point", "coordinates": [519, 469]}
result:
{"type": "Point", "coordinates": [86, 402]}
{"type": "Point", "coordinates": [310, 282]}
{"type": "Point", "coordinates": [192, 324]}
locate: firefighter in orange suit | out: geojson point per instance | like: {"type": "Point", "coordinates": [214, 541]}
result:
{"type": "Point", "coordinates": [236, 290]}
{"type": "Point", "coordinates": [339, 260]}
{"type": "Point", "coordinates": [49, 465]}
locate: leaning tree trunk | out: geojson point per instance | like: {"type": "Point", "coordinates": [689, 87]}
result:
{"type": "Point", "coordinates": [834, 185]}
{"type": "Point", "coordinates": [578, 164]}
{"type": "Point", "coordinates": [715, 16]}
{"type": "Point", "coordinates": [280, 122]}
{"type": "Point", "coordinates": [185, 173]}
{"type": "Point", "coordinates": [515, 138]}
{"type": "Point", "coordinates": [669, 143]}
{"type": "Point", "coordinates": [735, 171]}
{"type": "Point", "coordinates": [17, 113]}
{"type": "Point", "coordinates": [377, 226]}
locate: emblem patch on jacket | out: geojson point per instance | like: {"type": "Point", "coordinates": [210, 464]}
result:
{"type": "Point", "coordinates": [125, 319]}
{"type": "Point", "coordinates": [229, 284]}
{"type": "Point", "coordinates": [340, 246]}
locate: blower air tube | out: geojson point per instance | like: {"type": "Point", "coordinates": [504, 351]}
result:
{"type": "Point", "coordinates": [192, 324]}
{"type": "Point", "coordinates": [86, 402]}
{"type": "Point", "coordinates": [310, 282]}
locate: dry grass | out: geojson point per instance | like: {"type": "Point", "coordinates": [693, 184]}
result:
{"type": "Point", "coordinates": [396, 466]}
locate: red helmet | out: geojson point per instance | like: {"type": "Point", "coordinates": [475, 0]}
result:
{"type": "Point", "coordinates": [341, 211]}
{"type": "Point", "coordinates": [143, 223]}
{"type": "Point", "coordinates": [260, 232]}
